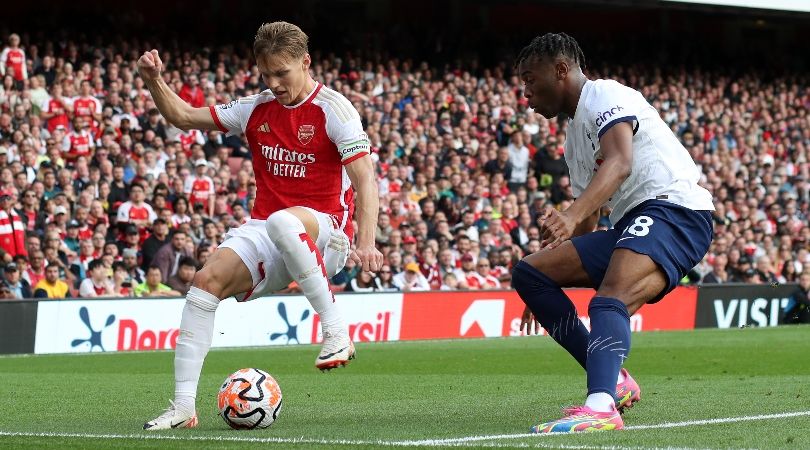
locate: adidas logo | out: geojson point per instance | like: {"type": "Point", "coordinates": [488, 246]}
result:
{"type": "Point", "coordinates": [264, 128]}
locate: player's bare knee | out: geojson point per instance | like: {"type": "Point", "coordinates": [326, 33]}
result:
{"type": "Point", "coordinates": [209, 281]}
{"type": "Point", "coordinates": [309, 221]}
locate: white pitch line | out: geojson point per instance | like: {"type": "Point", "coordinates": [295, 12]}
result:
{"type": "Point", "coordinates": [448, 442]}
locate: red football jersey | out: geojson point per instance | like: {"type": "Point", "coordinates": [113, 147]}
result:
{"type": "Point", "coordinates": [14, 58]}
{"type": "Point", "coordinates": [51, 105]}
{"type": "Point", "coordinates": [199, 189]}
{"type": "Point", "coordinates": [86, 107]}
{"type": "Point", "coordinates": [78, 144]}
{"type": "Point", "coordinates": [299, 151]}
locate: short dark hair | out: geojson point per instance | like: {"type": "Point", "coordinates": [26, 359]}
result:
{"type": "Point", "coordinates": [551, 45]}
{"type": "Point", "coordinates": [154, 267]}
{"type": "Point", "coordinates": [187, 261]}
{"type": "Point", "coordinates": [94, 264]}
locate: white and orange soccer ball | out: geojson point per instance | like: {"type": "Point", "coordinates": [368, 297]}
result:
{"type": "Point", "coordinates": [249, 398]}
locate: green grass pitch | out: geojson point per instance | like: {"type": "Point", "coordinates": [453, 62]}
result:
{"type": "Point", "coordinates": [416, 394]}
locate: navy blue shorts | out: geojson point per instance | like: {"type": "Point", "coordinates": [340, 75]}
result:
{"type": "Point", "coordinates": [676, 238]}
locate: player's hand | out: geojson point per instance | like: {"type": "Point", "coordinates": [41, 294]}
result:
{"type": "Point", "coordinates": [150, 66]}
{"type": "Point", "coordinates": [367, 257]}
{"type": "Point", "coordinates": [556, 228]}
{"type": "Point", "coordinates": [529, 322]}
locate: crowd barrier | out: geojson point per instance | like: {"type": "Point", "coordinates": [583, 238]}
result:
{"type": "Point", "coordinates": [91, 325]}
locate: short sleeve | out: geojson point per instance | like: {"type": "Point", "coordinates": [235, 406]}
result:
{"type": "Point", "coordinates": [86, 288]}
{"type": "Point", "coordinates": [611, 104]}
{"type": "Point", "coordinates": [232, 118]}
{"type": "Point", "coordinates": [123, 213]}
{"type": "Point", "coordinates": [344, 127]}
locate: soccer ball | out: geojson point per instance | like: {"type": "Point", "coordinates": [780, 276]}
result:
{"type": "Point", "coordinates": [249, 398]}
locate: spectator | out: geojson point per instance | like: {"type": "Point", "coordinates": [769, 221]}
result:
{"type": "Point", "coordinates": [471, 277]}
{"type": "Point", "coordinates": [122, 283]}
{"type": "Point", "coordinates": [450, 282]}
{"type": "Point", "coordinates": [12, 230]}
{"type": "Point", "coordinates": [411, 279]}
{"type": "Point", "coordinates": [192, 93]}
{"type": "Point", "coordinates": [519, 160]}
{"type": "Point", "coordinates": [51, 286]}
{"type": "Point", "coordinates": [19, 287]}
{"type": "Point", "coordinates": [798, 307]}
{"type": "Point", "coordinates": [363, 282]}
{"type": "Point", "coordinates": [12, 59]}
{"type": "Point", "coordinates": [153, 286]}
{"type": "Point", "coordinates": [719, 273]}
{"type": "Point", "coordinates": [130, 260]}
{"type": "Point", "coordinates": [167, 259]}
{"type": "Point", "coordinates": [181, 281]}
{"type": "Point", "coordinates": [200, 188]}
{"type": "Point", "coordinates": [486, 279]}
{"type": "Point", "coordinates": [765, 270]}
{"type": "Point", "coordinates": [135, 211]}
{"type": "Point", "coordinates": [31, 272]}
{"type": "Point", "coordinates": [98, 283]}
{"type": "Point", "coordinates": [157, 239]}
{"type": "Point", "coordinates": [384, 280]}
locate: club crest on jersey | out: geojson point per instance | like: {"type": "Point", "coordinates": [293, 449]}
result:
{"type": "Point", "coordinates": [306, 133]}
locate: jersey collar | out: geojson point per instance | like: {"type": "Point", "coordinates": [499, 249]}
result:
{"type": "Point", "coordinates": [307, 98]}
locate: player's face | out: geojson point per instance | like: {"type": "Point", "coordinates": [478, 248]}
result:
{"type": "Point", "coordinates": [286, 77]}
{"type": "Point", "coordinates": [543, 86]}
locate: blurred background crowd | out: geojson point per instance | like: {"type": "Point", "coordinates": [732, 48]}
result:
{"type": "Point", "coordinates": [101, 196]}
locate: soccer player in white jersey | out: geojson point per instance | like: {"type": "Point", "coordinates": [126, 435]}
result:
{"type": "Point", "coordinates": [620, 153]}
{"type": "Point", "coordinates": [309, 156]}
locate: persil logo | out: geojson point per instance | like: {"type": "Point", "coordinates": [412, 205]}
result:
{"type": "Point", "coordinates": [376, 331]}
{"type": "Point", "coordinates": [604, 116]}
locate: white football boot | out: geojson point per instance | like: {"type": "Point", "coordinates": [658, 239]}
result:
{"type": "Point", "coordinates": [337, 350]}
{"type": "Point", "coordinates": [171, 418]}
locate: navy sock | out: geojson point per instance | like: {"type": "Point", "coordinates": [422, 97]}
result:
{"type": "Point", "coordinates": [609, 343]}
{"type": "Point", "coordinates": [552, 308]}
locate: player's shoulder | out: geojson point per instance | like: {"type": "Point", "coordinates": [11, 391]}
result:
{"type": "Point", "coordinates": [333, 102]}
{"type": "Point", "coordinates": [612, 89]}
{"type": "Point", "coordinates": [251, 100]}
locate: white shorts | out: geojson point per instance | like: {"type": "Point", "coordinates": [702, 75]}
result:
{"type": "Point", "coordinates": [263, 259]}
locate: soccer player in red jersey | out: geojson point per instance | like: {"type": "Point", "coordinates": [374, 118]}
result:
{"type": "Point", "coordinates": [310, 155]}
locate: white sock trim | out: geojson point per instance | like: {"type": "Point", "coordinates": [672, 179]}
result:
{"type": "Point", "coordinates": [202, 299]}
{"type": "Point", "coordinates": [600, 402]}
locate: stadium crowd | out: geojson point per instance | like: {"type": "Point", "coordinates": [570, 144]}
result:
{"type": "Point", "coordinates": [100, 196]}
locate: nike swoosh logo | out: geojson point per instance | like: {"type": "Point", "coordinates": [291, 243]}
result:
{"type": "Point", "coordinates": [175, 425]}
{"type": "Point", "coordinates": [329, 355]}
{"type": "Point", "coordinates": [628, 237]}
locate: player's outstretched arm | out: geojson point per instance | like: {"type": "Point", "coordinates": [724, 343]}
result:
{"type": "Point", "coordinates": [171, 106]}
{"type": "Point", "coordinates": [365, 254]}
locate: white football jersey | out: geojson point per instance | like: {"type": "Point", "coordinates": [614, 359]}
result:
{"type": "Point", "coordinates": [662, 168]}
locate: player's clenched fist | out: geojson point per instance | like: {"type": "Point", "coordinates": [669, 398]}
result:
{"type": "Point", "coordinates": [369, 259]}
{"type": "Point", "coordinates": [149, 65]}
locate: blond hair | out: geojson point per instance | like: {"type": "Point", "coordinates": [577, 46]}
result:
{"type": "Point", "coordinates": [280, 38]}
